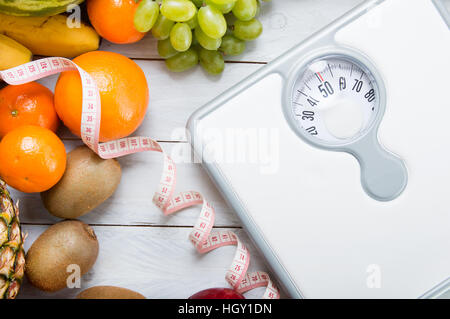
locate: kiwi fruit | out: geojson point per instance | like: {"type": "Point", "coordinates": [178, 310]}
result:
{"type": "Point", "coordinates": [87, 182]}
{"type": "Point", "coordinates": [109, 292]}
{"type": "Point", "coordinates": [69, 242]}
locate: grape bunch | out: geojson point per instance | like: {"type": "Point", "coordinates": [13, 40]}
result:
{"type": "Point", "coordinates": [199, 31]}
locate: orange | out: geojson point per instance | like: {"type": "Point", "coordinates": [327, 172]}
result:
{"type": "Point", "coordinates": [123, 93]}
{"type": "Point", "coordinates": [27, 104]}
{"type": "Point", "coordinates": [32, 159]}
{"type": "Point", "coordinates": [114, 20]}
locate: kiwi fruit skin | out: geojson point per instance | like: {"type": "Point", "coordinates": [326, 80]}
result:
{"type": "Point", "coordinates": [62, 244]}
{"type": "Point", "coordinates": [87, 182]}
{"type": "Point", "coordinates": [109, 292]}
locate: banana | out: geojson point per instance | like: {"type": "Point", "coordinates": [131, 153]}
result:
{"type": "Point", "coordinates": [50, 36]}
{"type": "Point", "coordinates": [12, 53]}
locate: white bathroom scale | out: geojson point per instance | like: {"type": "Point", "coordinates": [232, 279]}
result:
{"type": "Point", "coordinates": [336, 155]}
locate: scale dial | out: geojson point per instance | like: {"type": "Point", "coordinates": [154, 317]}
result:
{"type": "Point", "coordinates": [336, 104]}
{"type": "Point", "coordinates": [334, 100]}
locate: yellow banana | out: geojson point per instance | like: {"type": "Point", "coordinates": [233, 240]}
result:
{"type": "Point", "coordinates": [12, 53]}
{"type": "Point", "coordinates": [50, 36]}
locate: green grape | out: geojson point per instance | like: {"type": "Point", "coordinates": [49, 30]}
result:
{"type": "Point", "coordinates": [165, 49]}
{"type": "Point", "coordinates": [183, 61]}
{"type": "Point", "coordinates": [245, 10]}
{"type": "Point", "coordinates": [224, 8]}
{"type": "Point", "coordinates": [162, 27]}
{"type": "Point", "coordinates": [212, 22]}
{"type": "Point", "coordinates": [230, 19]}
{"type": "Point", "coordinates": [145, 16]}
{"type": "Point", "coordinates": [205, 41]}
{"type": "Point", "coordinates": [231, 45]}
{"type": "Point", "coordinates": [194, 40]}
{"type": "Point", "coordinates": [211, 61]}
{"type": "Point", "coordinates": [220, 2]}
{"type": "Point", "coordinates": [247, 30]}
{"type": "Point", "coordinates": [258, 9]}
{"type": "Point", "coordinates": [178, 10]}
{"type": "Point", "coordinates": [198, 3]}
{"type": "Point", "coordinates": [181, 36]}
{"type": "Point", "coordinates": [193, 23]}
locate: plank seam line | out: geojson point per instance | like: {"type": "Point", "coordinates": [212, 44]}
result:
{"type": "Point", "coordinates": [162, 60]}
{"type": "Point", "coordinates": [159, 141]}
{"type": "Point", "coordinates": [136, 226]}
{"type": "Point", "coordinates": [231, 62]}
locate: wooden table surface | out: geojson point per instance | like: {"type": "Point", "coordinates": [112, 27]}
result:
{"type": "Point", "coordinates": [140, 248]}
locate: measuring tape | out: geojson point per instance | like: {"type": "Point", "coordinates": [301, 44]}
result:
{"type": "Point", "coordinates": [202, 237]}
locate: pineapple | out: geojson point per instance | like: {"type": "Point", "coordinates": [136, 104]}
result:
{"type": "Point", "coordinates": [12, 255]}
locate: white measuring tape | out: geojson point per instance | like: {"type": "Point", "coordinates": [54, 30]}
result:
{"type": "Point", "coordinates": [201, 236]}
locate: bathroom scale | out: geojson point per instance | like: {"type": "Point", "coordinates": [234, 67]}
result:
{"type": "Point", "coordinates": [336, 155]}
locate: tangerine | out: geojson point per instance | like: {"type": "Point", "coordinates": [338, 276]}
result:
{"type": "Point", "coordinates": [114, 20]}
{"type": "Point", "coordinates": [27, 104]}
{"type": "Point", "coordinates": [123, 93]}
{"type": "Point", "coordinates": [32, 159]}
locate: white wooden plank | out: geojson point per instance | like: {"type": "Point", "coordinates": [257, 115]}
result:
{"type": "Point", "coordinates": [285, 23]}
{"type": "Point", "coordinates": [175, 96]}
{"type": "Point", "coordinates": [157, 262]}
{"type": "Point", "coordinates": [132, 204]}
